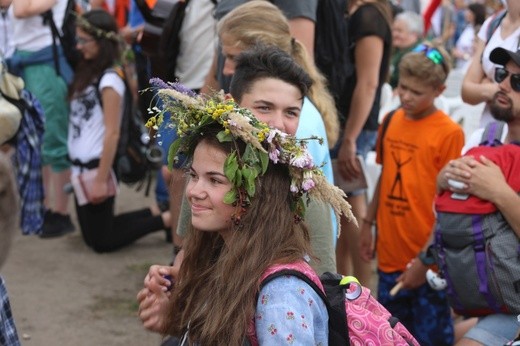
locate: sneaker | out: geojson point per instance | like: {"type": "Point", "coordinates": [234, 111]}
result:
{"type": "Point", "coordinates": [56, 225]}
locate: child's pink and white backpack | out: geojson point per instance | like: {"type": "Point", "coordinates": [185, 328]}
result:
{"type": "Point", "coordinates": [355, 316]}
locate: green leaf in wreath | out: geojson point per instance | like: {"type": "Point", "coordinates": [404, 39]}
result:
{"type": "Point", "coordinates": [250, 177]}
{"type": "Point", "coordinates": [231, 166]}
{"type": "Point", "coordinates": [230, 197]}
{"type": "Point", "coordinates": [222, 137]}
{"type": "Point", "coordinates": [172, 151]}
{"type": "Point", "coordinates": [250, 188]}
{"type": "Point", "coordinates": [250, 155]}
{"type": "Point", "coordinates": [238, 178]}
{"type": "Point", "coordinates": [246, 172]}
{"type": "Point", "coordinates": [264, 160]}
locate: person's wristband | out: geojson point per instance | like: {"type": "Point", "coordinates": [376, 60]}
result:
{"type": "Point", "coordinates": [426, 259]}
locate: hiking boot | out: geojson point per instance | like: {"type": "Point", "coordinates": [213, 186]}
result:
{"type": "Point", "coordinates": [56, 225]}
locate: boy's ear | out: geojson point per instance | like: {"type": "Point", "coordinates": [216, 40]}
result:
{"type": "Point", "coordinates": [440, 89]}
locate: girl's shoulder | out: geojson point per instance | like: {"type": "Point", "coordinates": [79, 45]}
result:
{"type": "Point", "coordinates": [275, 282]}
{"type": "Point", "coordinates": [287, 305]}
{"type": "Point", "coordinates": [289, 289]}
{"type": "Point", "coordinates": [113, 77]}
{"type": "Point", "coordinates": [367, 20]}
{"type": "Point", "coordinates": [114, 72]}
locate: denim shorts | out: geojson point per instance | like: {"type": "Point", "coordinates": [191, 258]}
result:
{"type": "Point", "coordinates": [364, 143]}
{"type": "Point", "coordinates": [495, 330]}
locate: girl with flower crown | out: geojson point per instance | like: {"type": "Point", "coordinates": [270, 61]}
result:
{"type": "Point", "coordinates": [247, 188]}
{"type": "Point", "coordinates": [214, 295]}
{"type": "Point", "coordinates": [96, 106]}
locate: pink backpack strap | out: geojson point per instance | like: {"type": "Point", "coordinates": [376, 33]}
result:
{"type": "Point", "coordinates": [300, 266]}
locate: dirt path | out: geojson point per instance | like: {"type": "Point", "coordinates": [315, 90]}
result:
{"type": "Point", "coordinates": [62, 293]}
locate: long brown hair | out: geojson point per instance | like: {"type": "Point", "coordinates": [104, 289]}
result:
{"type": "Point", "coordinates": [260, 22]}
{"type": "Point", "coordinates": [87, 71]}
{"type": "Point", "coordinates": [215, 295]}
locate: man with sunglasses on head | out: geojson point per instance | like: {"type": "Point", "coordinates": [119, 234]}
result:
{"type": "Point", "coordinates": [484, 179]}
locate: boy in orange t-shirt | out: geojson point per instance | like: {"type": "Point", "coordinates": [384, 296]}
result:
{"type": "Point", "coordinates": [418, 141]}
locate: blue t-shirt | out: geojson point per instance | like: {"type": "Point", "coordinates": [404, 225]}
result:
{"type": "Point", "coordinates": [311, 124]}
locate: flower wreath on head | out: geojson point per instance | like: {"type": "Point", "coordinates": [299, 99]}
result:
{"type": "Point", "coordinates": [191, 113]}
{"type": "Point", "coordinates": [93, 30]}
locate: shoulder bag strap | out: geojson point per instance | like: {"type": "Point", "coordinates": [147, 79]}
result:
{"type": "Point", "coordinates": [492, 135]}
{"type": "Point", "coordinates": [384, 127]}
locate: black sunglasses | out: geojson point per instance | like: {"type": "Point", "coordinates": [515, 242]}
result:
{"type": "Point", "coordinates": [501, 74]}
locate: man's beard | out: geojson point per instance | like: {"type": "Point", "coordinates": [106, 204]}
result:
{"type": "Point", "coordinates": [499, 112]}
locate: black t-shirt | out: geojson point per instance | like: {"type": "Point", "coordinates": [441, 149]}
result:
{"type": "Point", "coordinates": [367, 21]}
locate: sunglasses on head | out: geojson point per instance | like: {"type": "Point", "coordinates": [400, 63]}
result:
{"type": "Point", "coordinates": [501, 74]}
{"type": "Point", "coordinates": [431, 53]}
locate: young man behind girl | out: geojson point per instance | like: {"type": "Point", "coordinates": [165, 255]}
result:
{"type": "Point", "coordinates": [419, 140]}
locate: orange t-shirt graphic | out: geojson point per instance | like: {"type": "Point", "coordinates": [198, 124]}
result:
{"type": "Point", "coordinates": [414, 153]}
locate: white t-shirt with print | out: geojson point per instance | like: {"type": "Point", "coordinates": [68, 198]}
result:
{"type": "Point", "coordinates": [86, 120]}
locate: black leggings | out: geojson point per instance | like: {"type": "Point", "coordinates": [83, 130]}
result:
{"type": "Point", "coordinates": [104, 232]}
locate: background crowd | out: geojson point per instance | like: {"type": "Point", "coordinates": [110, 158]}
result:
{"type": "Point", "coordinates": [404, 55]}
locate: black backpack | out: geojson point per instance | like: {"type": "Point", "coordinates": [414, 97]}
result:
{"type": "Point", "coordinates": [331, 45]}
{"type": "Point", "coordinates": [137, 155]}
{"type": "Point", "coordinates": [66, 36]}
{"type": "Point", "coordinates": [170, 42]}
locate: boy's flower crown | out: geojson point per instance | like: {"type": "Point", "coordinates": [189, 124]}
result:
{"type": "Point", "coordinates": [191, 113]}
